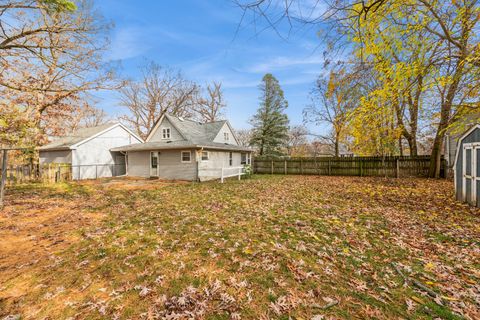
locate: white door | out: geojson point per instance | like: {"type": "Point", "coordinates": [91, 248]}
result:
{"type": "Point", "coordinates": [476, 175]}
{"type": "Point", "coordinates": [154, 164]}
{"type": "Point", "coordinates": [469, 173]}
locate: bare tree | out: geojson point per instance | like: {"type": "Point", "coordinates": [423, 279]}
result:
{"type": "Point", "coordinates": [210, 107]}
{"type": "Point", "coordinates": [243, 137]}
{"type": "Point", "coordinates": [51, 55]}
{"type": "Point", "coordinates": [332, 99]}
{"type": "Point", "coordinates": [85, 117]}
{"type": "Point", "coordinates": [159, 91]}
{"type": "Point", "coordinates": [297, 141]}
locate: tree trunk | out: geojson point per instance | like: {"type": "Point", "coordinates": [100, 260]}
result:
{"type": "Point", "coordinates": [400, 146]}
{"type": "Point", "coordinates": [337, 138]}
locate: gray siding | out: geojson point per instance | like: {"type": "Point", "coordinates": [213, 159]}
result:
{"type": "Point", "coordinates": [174, 134]}
{"type": "Point", "coordinates": [172, 168]}
{"type": "Point", "coordinates": [169, 164]}
{"type": "Point", "coordinates": [61, 156]}
{"type": "Point", "coordinates": [138, 164]}
{"type": "Point", "coordinates": [474, 136]}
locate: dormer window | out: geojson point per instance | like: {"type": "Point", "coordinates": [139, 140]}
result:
{"type": "Point", "coordinates": [225, 136]}
{"type": "Point", "coordinates": [166, 133]}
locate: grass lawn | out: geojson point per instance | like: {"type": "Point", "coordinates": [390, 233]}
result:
{"type": "Point", "coordinates": [270, 247]}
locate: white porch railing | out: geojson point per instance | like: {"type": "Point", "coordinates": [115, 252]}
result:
{"type": "Point", "coordinates": [232, 172]}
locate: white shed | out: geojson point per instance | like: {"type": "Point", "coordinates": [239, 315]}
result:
{"type": "Point", "coordinates": [88, 151]}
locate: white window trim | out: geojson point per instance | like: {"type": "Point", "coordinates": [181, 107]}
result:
{"type": "Point", "coordinates": [181, 156]}
{"type": "Point", "coordinates": [201, 156]}
{"type": "Point", "coordinates": [169, 133]}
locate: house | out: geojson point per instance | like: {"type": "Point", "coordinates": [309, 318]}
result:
{"type": "Point", "coordinates": [467, 167]}
{"type": "Point", "coordinates": [181, 149]}
{"type": "Point", "coordinates": [87, 151]}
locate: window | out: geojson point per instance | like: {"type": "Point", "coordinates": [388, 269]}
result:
{"type": "Point", "coordinates": [225, 136]}
{"type": "Point", "coordinates": [230, 158]}
{"type": "Point", "coordinates": [186, 156]}
{"type": "Point", "coordinates": [166, 133]}
{"type": "Point", "coordinates": [244, 159]}
{"type": "Point", "coordinates": [249, 158]}
{"type": "Point", "coordinates": [205, 155]}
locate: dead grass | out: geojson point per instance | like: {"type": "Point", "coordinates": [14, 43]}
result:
{"type": "Point", "coordinates": [271, 247]}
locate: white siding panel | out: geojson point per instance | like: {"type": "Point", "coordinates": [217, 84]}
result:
{"type": "Point", "coordinates": [94, 157]}
{"type": "Point", "coordinates": [61, 156]}
{"type": "Point", "coordinates": [212, 168]}
{"type": "Point", "coordinates": [220, 138]}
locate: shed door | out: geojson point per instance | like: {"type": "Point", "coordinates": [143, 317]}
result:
{"type": "Point", "coordinates": [476, 180]}
{"type": "Point", "coordinates": [467, 174]}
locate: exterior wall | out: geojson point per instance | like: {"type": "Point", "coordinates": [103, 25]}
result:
{"type": "Point", "coordinates": [170, 166]}
{"type": "Point", "coordinates": [174, 134]}
{"type": "Point", "coordinates": [61, 156]}
{"type": "Point", "coordinates": [93, 158]}
{"type": "Point", "coordinates": [450, 149]}
{"type": "Point", "coordinates": [220, 138]}
{"type": "Point", "coordinates": [474, 136]}
{"type": "Point", "coordinates": [138, 164]}
{"type": "Point", "coordinates": [212, 168]}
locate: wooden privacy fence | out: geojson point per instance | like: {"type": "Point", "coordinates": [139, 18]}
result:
{"type": "Point", "coordinates": [348, 166]}
{"type": "Point", "coordinates": [54, 172]}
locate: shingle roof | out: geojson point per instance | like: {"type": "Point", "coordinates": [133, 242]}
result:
{"type": "Point", "coordinates": [66, 142]}
{"type": "Point", "coordinates": [182, 144]}
{"type": "Point", "coordinates": [196, 134]}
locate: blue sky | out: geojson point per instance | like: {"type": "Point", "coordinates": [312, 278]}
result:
{"type": "Point", "coordinates": [199, 37]}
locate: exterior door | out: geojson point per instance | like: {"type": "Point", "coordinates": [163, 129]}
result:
{"type": "Point", "coordinates": [469, 174]}
{"type": "Point", "coordinates": [154, 164]}
{"type": "Point", "coordinates": [476, 179]}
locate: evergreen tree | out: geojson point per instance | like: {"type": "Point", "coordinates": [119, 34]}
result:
{"type": "Point", "coordinates": [270, 124]}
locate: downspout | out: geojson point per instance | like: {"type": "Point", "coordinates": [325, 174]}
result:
{"type": "Point", "coordinates": [198, 163]}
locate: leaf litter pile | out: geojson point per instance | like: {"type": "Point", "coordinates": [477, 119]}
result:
{"type": "Point", "coordinates": [270, 247]}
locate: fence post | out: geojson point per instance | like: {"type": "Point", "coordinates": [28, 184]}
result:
{"type": "Point", "coordinates": [361, 166]}
{"type": "Point", "coordinates": [221, 177]}
{"type": "Point", "coordinates": [301, 166]}
{"type": "Point", "coordinates": [272, 166]}
{"type": "Point", "coordinates": [397, 162]}
{"type": "Point", "coordinates": [4, 177]}
{"type": "Point", "coordinates": [329, 167]}
{"type": "Point", "coordinates": [285, 166]}
{"type": "Point", "coordinates": [96, 173]}
{"type": "Point", "coordinates": [239, 172]}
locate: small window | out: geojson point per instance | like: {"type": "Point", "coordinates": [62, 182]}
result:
{"type": "Point", "coordinates": [244, 159]}
{"type": "Point", "coordinates": [186, 156]}
{"type": "Point", "coordinates": [205, 155]}
{"type": "Point", "coordinates": [249, 158]}
{"type": "Point", "coordinates": [166, 133]}
{"type": "Point", "coordinates": [230, 159]}
{"type": "Point", "coordinates": [225, 136]}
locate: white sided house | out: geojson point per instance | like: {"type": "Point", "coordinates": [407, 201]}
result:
{"type": "Point", "coordinates": [87, 151]}
{"type": "Point", "coordinates": [181, 149]}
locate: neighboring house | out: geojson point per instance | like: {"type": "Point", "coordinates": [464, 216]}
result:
{"type": "Point", "coordinates": [452, 136]}
{"type": "Point", "coordinates": [181, 149]}
{"type": "Point", "coordinates": [87, 150]}
{"type": "Point", "coordinates": [467, 167]}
